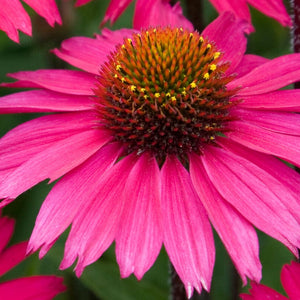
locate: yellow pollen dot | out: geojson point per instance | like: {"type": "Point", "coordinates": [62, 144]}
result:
{"type": "Point", "coordinates": [208, 46]}
{"type": "Point", "coordinates": [193, 85]}
{"type": "Point", "coordinates": [147, 32]}
{"type": "Point", "coordinates": [211, 138]}
{"type": "Point", "coordinates": [183, 93]}
{"type": "Point", "coordinates": [154, 30]}
{"type": "Point", "coordinates": [191, 35]}
{"type": "Point", "coordinates": [201, 39]}
{"type": "Point", "coordinates": [145, 96]}
{"type": "Point", "coordinates": [157, 95]}
{"type": "Point", "coordinates": [129, 40]}
{"type": "Point", "coordinates": [173, 99]}
{"type": "Point", "coordinates": [181, 29]}
{"type": "Point", "coordinates": [118, 67]}
{"type": "Point", "coordinates": [168, 94]}
{"type": "Point", "coordinates": [123, 79]}
{"type": "Point", "coordinates": [213, 67]}
{"type": "Point", "coordinates": [206, 76]}
{"type": "Point", "coordinates": [116, 75]}
{"type": "Point", "coordinates": [217, 54]}
{"type": "Point", "coordinates": [133, 88]}
{"type": "Point", "coordinates": [123, 46]}
{"type": "Point", "coordinates": [143, 90]}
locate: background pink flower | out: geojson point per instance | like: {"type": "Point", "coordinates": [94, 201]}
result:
{"type": "Point", "coordinates": [34, 287]}
{"type": "Point", "coordinates": [227, 175]}
{"type": "Point", "coordinates": [13, 16]}
{"type": "Point", "coordinates": [290, 278]}
{"type": "Point", "coordinates": [273, 8]}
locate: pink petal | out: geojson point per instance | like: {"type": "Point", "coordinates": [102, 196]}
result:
{"type": "Point", "coordinates": [115, 37]}
{"type": "Point", "coordinates": [43, 101]}
{"type": "Point", "coordinates": [286, 180]}
{"type": "Point", "coordinates": [139, 237]}
{"type": "Point", "coordinates": [47, 9]}
{"type": "Point", "coordinates": [7, 226]}
{"type": "Point", "coordinates": [254, 193]}
{"type": "Point", "coordinates": [12, 256]}
{"type": "Point", "coordinates": [281, 122]}
{"type": "Point", "coordinates": [26, 140]}
{"type": "Point", "coordinates": [262, 292]}
{"type": "Point", "coordinates": [228, 34]}
{"type": "Point", "coordinates": [159, 13]}
{"type": "Point", "coordinates": [248, 63]}
{"type": "Point", "coordinates": [283, 100]}
{"type": "Point", "coordinates": [274, 74]}
{"type": "Point", "coordinates": [237, 234]}
{"type": "Point", "coordinates": [33, 288]}
{"type": "Point", "coordinates": [85, 53]}
{"type": "Point", "coordinates": [238, 7]}
{"type": "Point", "coordinates": [114, 10]}
{"type": "Point", "coordinates": [257, 138]}
{"type": "Point", "coordinates": [290, 278]}
{"type": "Point", "coordinates": [96, 225]}
{"type": "Point", "coordinates": [274, 9]}
{"type": "Point", "coordinates": [82, 2]}
{"type": "Point", "coordinates": [188, 236]}
{"type": "Point", "coordinates": [53, 162]}
{"type": "Point", "coordinates": [69, 196]}
{"type": "Point", "coordinates": [64, 81]}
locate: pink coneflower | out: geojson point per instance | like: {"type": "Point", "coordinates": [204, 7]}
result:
{"type": "Point", "coordinates": [163, 132]}
{"type": "Point", "coordinates": [34, 287]}
{"type": "Point", "coordinates": [290, 278]}
{"type": "Point", "coordinates": [272, 8]}
{"type": "Point", "coordinates": [13, 16]}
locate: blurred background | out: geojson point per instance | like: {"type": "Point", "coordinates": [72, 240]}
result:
{"type": "Point", "coordinates": [101, 280]}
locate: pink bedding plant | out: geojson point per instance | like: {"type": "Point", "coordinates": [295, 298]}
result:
{"type": "Point", "coordinates": [290, 278]}
{"type": "Point", "coordinates": [13, 16]}
{"type": "Point", "coordinates": [43, 287]}
{"type": "Point", "coordinates": [158, 135]}
{"type": "Point", "coordinates": [272, 8]}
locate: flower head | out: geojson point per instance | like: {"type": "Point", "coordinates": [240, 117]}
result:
{"type": "Point", "coordinates": [34, 287]}
{"type": "Point", "coordinates": [290, 278]}
{"type": "Point", "coordinates": [163, 132]}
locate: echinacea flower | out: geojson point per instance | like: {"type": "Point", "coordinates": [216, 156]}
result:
{"type": "Point", "coordinates": [163, 132]}
{"type": "Point", "coordinates": [43, 287]}
{"type": "Point", "coordinates": [13, 16]}
{"type": "Point", "coordinates": [272, 8]}
{"type": "Point", "coordinates": [290, 278]}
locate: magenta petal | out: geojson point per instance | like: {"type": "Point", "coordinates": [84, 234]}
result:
{"type": "Point", "coordinates": [12, 256]}
{"type": "Point", "coordinates": [262, 292]}
{"type": "Point", "coordinates": [159, 13]}
{"type": "Point", "coordinates": [47, 9]}
{"type": "Point", "coordinates": [139, 237]}
{"type": "Point", "coordinates": [69, 196]}
{"type": "Point", "coordinates": [85, 53]}
{"type": "Point", "coordinates": [43, 101]}
{"type": "Point", "coordinates": [274, 74]}
{"type": "Point", "coordinates": [33, 288]}
{"type": "Point", "coordinates": [248, 63]}
{"type": "Point", "coordinates": [231, 42]}
{"type": "Point", "coordinates": [188, 235]}
{"type": "Point", "coordinates": [237, 234]}
{"type": "Point", "coordinates": [255, 195]}
{"type": "Point", "coordinates": [7, 226]}
{"type": "Point", "coordinates": [114, 10]}
{"type": "Point", "coordinates": [63, 81]}
{"type": "Point", "coordinates": [283, 100]}
{"type": "Point", "coordinates": [96, 225]}
{"type": "Point", "coordinates": [290, 278]}
{"type": "Point", "coordinates": [82, 2]}
{"type": "Point", "coordinates": [257, 138]}
{"type": "Point", "coordinates": [53, 162]}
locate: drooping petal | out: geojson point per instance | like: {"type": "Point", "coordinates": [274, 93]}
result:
{"type": "Point", "coordinates": [47, 9]}
{"type": "Point", "coordinates": [95, 226]}
{"type": "Point", "coordinates": [33, 288]}
{"type": "Point", "coordinates": [274, 9]}
{"type": "Point", "coordinates": [283, 100]}
{"type": "Point", "coordinates": [257, 138]}
{"type": "Point", "coordinates": [231, 42]}
{"type": "Point", "coordinates": [63, 81]}
{"type": "Point", "coordinates": [68, 197]}
{"type": "Point", "coordinates": [274, 74]}
{"type": "Point", "coordinates": [248, 63]}
{"type": "Point", "coordinates": [255, 194]}
{"type": "Point", "coordinates": [43, 101]}
{"type": "Point", "coordinates": [114, 10]}
{"type": "Point", "coordinates": [159, 13]}
{"type": "Point", "coordinates": [237, 234]}
{"type": "Point", "coordinates": [12, 256]}
{"type": "Point", "coordinates": [53, 162]}
{"type": "Point", "coordinates": [290, 278]}
{"type": "Point", "coordinates": [139, 237]}
{"type": "Point", "coordinates": [187, 233]}
{"type": "Point", "coordinates": [262, 292]}
{"type": "Point", "coordinates": [7, 226]}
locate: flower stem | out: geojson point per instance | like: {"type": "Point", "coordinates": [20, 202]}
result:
{"type": "Point", "coordinates": [177, 287]}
